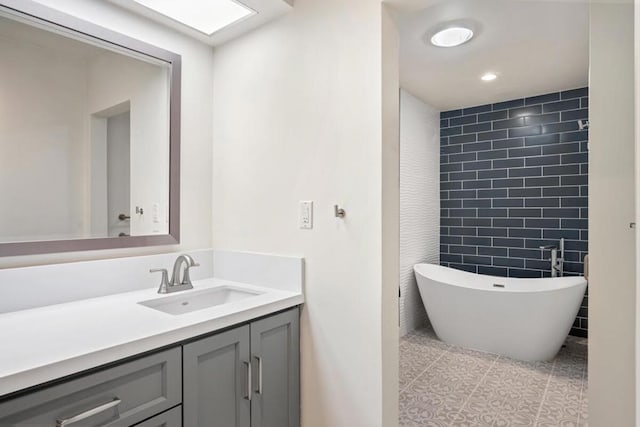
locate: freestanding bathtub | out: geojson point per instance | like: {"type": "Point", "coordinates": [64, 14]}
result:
{"type": "Point", "coordinates": [526, 319]}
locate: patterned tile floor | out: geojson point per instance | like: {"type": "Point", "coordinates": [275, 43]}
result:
{"type": "Point", "coordinates": [444, 385]}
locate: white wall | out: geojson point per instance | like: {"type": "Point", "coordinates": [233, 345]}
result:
{"type": "Point", "coordinates": [41, 146]}
{"type": "Point", "coordinates": [196, 174]}
{"type": "Point", "coordinates": [419, 202]}
{"type": "Point", "coordinates": [612, 248]}
{"type": "Point", "coordinates": [297, 116]}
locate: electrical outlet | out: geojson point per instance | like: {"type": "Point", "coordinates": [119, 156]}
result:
{"type": "Point", "coordinates": [306, 215]}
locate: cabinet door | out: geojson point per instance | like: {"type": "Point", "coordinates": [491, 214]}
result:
{"type": "Point", "coordinates": [216, 376]}
{"type": "Point", "coordinates": [275, 349]}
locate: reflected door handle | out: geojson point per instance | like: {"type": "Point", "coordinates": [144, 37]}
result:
{"type": "Point", "coordinates": [123, 217]}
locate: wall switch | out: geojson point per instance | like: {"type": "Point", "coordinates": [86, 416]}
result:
{"type": "Point", "coordinates": [306, 214]}
{"type": "Point", "coordinates": [156, 213]}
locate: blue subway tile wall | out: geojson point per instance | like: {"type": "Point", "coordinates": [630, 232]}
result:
{"type": "Point", "coordinates": [514, 177]}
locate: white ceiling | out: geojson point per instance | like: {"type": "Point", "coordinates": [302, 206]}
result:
{"type": "Point", "coordinates": [535, 47]}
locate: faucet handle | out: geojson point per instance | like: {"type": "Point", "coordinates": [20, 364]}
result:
{"type": "Point", "coordinates": [548, 247]}
{"type": "Point", "coordinates": [164, 282]}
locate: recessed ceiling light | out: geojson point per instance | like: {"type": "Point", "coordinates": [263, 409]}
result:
{"type": "Point", "coordinates": [487, 77]}
{"type": "Point", "coordinates": [452, 36]}
{"type": "Point", "coordinates": [206, 16]}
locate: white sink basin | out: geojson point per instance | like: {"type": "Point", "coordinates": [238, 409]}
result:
{"type": "Point", "coordinates": [190, 301]}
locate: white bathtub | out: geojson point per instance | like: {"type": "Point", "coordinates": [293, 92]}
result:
{"type": "Point", "coordinates": [526, 319]}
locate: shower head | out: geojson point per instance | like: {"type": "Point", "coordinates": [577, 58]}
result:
{"type": "Point", "coordinates": [583, 124]}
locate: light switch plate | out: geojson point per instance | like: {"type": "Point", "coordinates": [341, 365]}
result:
{"type": "Point", "coordinates": [156, 213]}
{"type": "Point", "coordinates": [306, 215]}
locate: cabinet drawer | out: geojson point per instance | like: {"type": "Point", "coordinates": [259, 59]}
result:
{"type": "Point", "coordinates": [172, 418]}
{"type": "Point", "coordinates": [119, 396]}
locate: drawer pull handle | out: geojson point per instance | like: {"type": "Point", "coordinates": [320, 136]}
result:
{"type": "Point", "coordinates": [90, 413]}
{"type": "Point", "coordinates": [249, 386]}
{"type": "Point", "coordinates": [259, 360]}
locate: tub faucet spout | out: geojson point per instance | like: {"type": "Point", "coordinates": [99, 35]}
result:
{"type": "Point", "coordinates": [557, 258]}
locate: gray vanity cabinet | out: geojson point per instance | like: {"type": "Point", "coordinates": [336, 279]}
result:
{"type": "Point", "coordinates": [245, 377]}
{"type": "Point", "coordinates": [248, 376]}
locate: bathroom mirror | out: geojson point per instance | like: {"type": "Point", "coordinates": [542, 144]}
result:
{"type": "Point", "coordinates": [89, 136]}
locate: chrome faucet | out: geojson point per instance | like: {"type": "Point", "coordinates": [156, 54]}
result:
{"type": "Point", "coordinates": [176, 284]}
{"type": "Point", "coordinates": [557, 262]}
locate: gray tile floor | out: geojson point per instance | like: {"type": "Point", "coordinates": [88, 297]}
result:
{"type": "Point", "coordinates": [444, 385]}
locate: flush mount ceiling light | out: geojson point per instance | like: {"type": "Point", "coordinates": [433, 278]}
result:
{"type": "Point", "coordinates": [488, 77]}
{"type": "Point", "coordinates": [205, 16]}
{"type": "Point", "coordinates": [452, 36]}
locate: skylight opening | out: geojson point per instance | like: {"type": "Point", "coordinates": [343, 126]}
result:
{"type": "Point", "coordinates": [205, 16]}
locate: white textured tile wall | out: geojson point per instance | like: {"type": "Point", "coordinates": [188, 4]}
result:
{"type": "Point", "coordinates": [419, 201]}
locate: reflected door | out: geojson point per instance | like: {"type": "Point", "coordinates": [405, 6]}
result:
{"type": "Point", "coordinates": [118, 174]}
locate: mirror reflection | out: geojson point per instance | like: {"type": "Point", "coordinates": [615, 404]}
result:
{"type": "Point", "coordinates": [84, 138]}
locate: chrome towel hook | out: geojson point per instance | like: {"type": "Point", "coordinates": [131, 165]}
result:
{"type": "Point", "coordinates": [339, 212]}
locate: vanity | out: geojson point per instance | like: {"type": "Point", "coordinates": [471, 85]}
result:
{"type": "Point", "coordinates": [142, 358]}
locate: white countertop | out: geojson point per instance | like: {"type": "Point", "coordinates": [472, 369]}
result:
{"type": "Point", "coordinates": [50, 342]}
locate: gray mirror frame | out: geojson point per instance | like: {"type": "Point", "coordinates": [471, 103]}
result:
{"type": "Point", "coordinates": [52, 17]}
